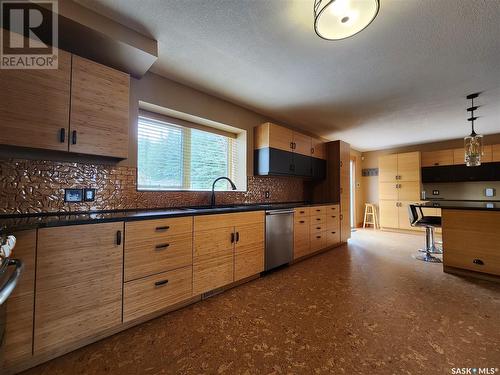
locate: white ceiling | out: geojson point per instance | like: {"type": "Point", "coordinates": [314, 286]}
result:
{"type": "Point", "coordinates": [403, 80]}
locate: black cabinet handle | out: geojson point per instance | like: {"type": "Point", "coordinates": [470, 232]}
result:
{"type": "Point", "coordinates": [162, 246]}
{"type": "Point", "coordinates": [334, 232]}
{"type": "Point", "coordinates": [232, 237]}
{"type": "Point", "coordinates": [62, 135]}
{"type": "Point", "coordinates": [318, 219]}
{"type": "Point", "coordinates": [291, 145]}
{"type": "Point", "coordinates": [166, 227]}
{"type": "Point", "coordinates": [161, 283]}
{"type": "Point", "coordinates": [237, 236]}
{"type": "Point", "coordinates": [318, 227]}
{"type": "Point", "coordinates": [312, 150]}
{"type": "Point", "coordinates": [334, 216]}
{"type": "Point", "coordinates": [119, 237]}
{"type": "Point", "coordinates": [301, 221]}
{"type": "Point", "coordinates": [318, 236]}
{"type": "Point", "coordinates": [73, 137]}
{"type": "Point", "coordinates": [478, 262]}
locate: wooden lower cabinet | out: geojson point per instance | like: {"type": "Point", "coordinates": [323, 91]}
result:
{"type": "Point", "coordinates": [317, 231]}
{"type": "Point", "coordinates": [154, 246]}
{"type": "Point", "coordinates": [389, 214]}
{"type": "Point", "coordinates": [18, 337]}
{"type": "Point", "coordinates": [78, 284]}
{"type": "Point", "coordinates": [249, 250]}
{"type": "Point", "coordinates": [301, 232]}
{"type": "Point", "coordinates": [227, 248]}
{"type": "Point", "coordinates": [153, 293]}
{"type": "Point", "coordinates": [471, 240]}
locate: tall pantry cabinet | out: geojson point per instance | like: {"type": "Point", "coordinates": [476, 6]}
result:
{"type": "Point", "coordinates": [399, 186]}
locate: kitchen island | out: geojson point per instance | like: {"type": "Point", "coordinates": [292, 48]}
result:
{"type": "Point", "coordinates": [471, 238]}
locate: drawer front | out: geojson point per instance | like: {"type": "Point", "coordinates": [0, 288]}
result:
{"type": "Point", "coordinates": [318, 219]}
{"type": "Point", "coordinates": [301, 212]}
{"type": "Point", "coordinates": [154, 293]}
{"type": "Point", "coordinates": [476, 260]}
{"type": "Point", "coordinates": [302, 220]}
{"type": "Point", "coordinates": [333, 209]}
{"type": "Point", "coordinates": [333, 220]}
{"type": "Point", "coordinates": [153, 256]}
{"type": "Point", "coordinates": [317, 227]}
{"type": "Point", "coordinates": [318, 241]}
{"type": "Point", "coordinates": [317, 210]}
{"type": "Point", "coordinates": [138, 231]}
{"type": "Point", "coordinates": [332, 237]}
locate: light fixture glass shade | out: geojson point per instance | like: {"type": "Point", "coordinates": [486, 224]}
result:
{"type": "Point", "coordinates": [473, 150]}
{"type": "Point", "coordinates": [340, 19]}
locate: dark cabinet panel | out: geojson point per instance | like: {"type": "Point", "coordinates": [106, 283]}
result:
{"type": "Point", "coordinates": [318, 167]}
{"type": "Point", "coordinates": [271, 161]}
{"type": "Point", "coordinates": [461, 173]}
{"type": "Point", "coordinates": [301, 165]}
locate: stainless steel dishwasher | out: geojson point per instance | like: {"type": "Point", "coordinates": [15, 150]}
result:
{"type": "Point", "coordinates": [279, 238]}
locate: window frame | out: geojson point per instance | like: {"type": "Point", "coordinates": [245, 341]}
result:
{"type": "Point", "coordinates": [186, 128]}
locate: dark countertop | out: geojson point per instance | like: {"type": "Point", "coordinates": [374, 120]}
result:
{"type": "Point", "coordinates": [13, 223]}
{"type": "Point", "coordinates": [464, 205]}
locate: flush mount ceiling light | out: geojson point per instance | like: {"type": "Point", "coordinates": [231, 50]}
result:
{"type": "Point", "coordinates": [340, 19]}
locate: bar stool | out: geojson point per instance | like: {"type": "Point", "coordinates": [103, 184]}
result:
{"type": "Point", "coordinates": [418, 219]}
{"type": "Point", "coordinates": [370, 216]}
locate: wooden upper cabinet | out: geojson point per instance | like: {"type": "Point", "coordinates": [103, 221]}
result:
{"type": "Point", "coordinates": [495, 153]}
{"type": "Point", "coordinates": [409, 166]}
{"type": "Point", "coordinates": [274, 136]}
{"type": "Point", "coordinates": [318, 149]}
{"type": "Point", "coordinates": [437, 158]}
{"type": "Point", "coordinates": [458, 156]}
{"type": "Point", "coordinates": [78, 284]}
{"type": "Point", "coordinates": [388, 168]}
{"type": "Point", "coordinates": [99, 109]}
{"type": "Point", "coordinates": [34, 106]}
{"type": "Point", "coordinates": [302, 144]}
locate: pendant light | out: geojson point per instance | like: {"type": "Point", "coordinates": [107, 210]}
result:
{"type": "Point", "coordinates": [340, 19]}
{"type": "Point", "coordinates": [473, 143]}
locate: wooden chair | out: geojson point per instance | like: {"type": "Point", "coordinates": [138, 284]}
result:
{"type": "Point", "coordinates": [371, 216]}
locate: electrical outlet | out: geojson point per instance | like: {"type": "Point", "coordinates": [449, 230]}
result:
{"type": "Point", "coordinates": [89, 195]}
{"type": "Point", "coordinates": [489, 192]}
{"type": "Point", "coordinates": [435, 192]}
{"type": "Point", "coordinates": [267, 194]}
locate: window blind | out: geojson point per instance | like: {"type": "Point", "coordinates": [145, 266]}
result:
{"type": "Point", "coordinates": [175, 157]}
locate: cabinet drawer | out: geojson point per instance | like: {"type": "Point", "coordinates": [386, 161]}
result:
{"type": "Point", "coordinates": [332, 237]}
{"type": "Point", "coordinates": [317, 227]}
{"type": "Point", "coordinates": [154, 293]}
{"type": "Point", "coordinates": [318, 241]}
{"type": "Point", "coordinates": [302, 220]}
{"type": "Point", "coordinates": [332, 209]}
{"type": "Point", "coordinates": [317, 210]}
{"type": "Point", "coordinates": [318, 219]}
{"type": "Point", "coordinates": [138, 231]}
{"type": "Point", "coordinates": [333, 220]}
{"type": "Point", "coordinates": [301, 212]}
{"type": "Point", "coordinates": [474, 260]}
{"type": "Point", "coordinates": [152, 256]}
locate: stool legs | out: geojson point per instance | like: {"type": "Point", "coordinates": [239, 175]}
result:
{"type": "Point", "coordinates": [430, 248]}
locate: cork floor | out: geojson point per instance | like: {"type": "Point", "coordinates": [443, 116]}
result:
{"type": "Point", "coordinates": [366, 308]}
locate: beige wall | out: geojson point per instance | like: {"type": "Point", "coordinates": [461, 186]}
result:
{"type": "Point", "coordinates": [370, 160]}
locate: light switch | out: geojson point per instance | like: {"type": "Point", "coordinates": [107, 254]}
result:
{"type": "Point", "coordinates": [489, 192]}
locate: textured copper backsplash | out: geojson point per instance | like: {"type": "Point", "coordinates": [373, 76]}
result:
{"type": "Point", "coordinates": [30, 186]}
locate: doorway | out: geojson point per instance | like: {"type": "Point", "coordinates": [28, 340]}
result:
{"type": "Point", "coordinates": [352, 188]}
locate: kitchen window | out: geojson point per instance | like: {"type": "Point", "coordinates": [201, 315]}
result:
{"type": "Point", "coordinates": [175, 154]}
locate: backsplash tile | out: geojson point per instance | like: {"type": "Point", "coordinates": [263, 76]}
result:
{"type": "Point", "coordinates": [33, 186]}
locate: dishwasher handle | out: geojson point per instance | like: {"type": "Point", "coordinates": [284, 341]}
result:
{"type": "Point", "coordinates": [279, 212]}
{"type": "Point", "coordinates": [8, 288]}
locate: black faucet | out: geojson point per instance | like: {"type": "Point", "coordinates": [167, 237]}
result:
{"type": "Point", "coordinates": [212, 199]}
